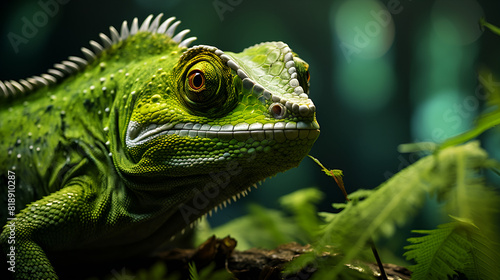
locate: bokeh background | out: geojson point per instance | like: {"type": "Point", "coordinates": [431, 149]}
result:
{"type": "Point", "coordinates": [382, 72]}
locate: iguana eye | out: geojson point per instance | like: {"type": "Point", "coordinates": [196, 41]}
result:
{"type": "Point", "coordinates": [201, 84]}
{"type": "Point", "coordinates": [196, 80]}
{"type": "Point", "coordinates": [204, 83]}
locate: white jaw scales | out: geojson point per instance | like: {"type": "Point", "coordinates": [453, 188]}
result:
{"type": "Point", "coordinates": [280, 131]}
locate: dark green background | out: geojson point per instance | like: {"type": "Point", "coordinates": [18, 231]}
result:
{"type": "Point", "coordinates": [423, 86]}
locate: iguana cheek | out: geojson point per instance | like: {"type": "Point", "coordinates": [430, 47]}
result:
{"type": "Point", "coordinates": [186, 148]}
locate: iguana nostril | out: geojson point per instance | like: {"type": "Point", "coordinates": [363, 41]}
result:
{"type": "Point", "coordinates": [277, 110]}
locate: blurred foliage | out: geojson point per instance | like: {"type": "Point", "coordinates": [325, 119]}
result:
{"type": "Point", "coordinates": [157, 271]}
{"type": "Point", "coordinates": [486, 120]}
{"type": "Point", "coordinates": [267, 228]}
{"type": "Point", "coordinates": [451, 175]}
{"type": "Point", "coordinates": [208, 273]}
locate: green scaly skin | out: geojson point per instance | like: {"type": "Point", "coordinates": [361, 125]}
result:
{"type": "Point", "coordinates": [119, 155]}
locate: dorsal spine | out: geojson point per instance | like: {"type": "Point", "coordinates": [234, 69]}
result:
{"type": "Point", "coordinates": [74, 64]}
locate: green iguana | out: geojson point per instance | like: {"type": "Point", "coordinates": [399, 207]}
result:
{"type": "Point", "coordinates": [112, 155]}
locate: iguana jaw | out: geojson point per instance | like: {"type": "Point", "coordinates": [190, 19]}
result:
{"type": "Point", "coordinates": [280, 131]}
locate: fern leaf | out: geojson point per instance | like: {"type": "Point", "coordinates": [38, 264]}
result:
{"type": "Point", "coordinates": [394, 202]}
{"type": "Point", "coordinates": [484, 256]}
{"type": "Point", "coordinates": [193, 272]}
{"type": "Point", "coordinates": [456, 246]}
{"type": "Point", "coordinates": [472, 202]}
{"type": "Point", "coordinates": [397, 199]}
{"type": "Point", "coordinates": [439, 253]}
{"type": "Point", "coordinates": [475, 209]}
{"type": "Point", "coordinates": [354, 197]}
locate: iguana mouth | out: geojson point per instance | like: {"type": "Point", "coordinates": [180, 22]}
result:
{"type": "Point", "coordinates": [280, 131]}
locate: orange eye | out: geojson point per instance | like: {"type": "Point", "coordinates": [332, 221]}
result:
{"type": "Point", "coordinates": [196, 80]}
{"type": "Point", "coordinates": [308, 76]}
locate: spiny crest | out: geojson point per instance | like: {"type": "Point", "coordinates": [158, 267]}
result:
{"type": "Point", "coordinates": [74, 63]}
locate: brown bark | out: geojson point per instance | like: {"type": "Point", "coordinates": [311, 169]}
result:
{"type": "Point", "coordinates": [259, 263]}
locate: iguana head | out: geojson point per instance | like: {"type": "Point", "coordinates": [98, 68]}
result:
{"type": "Point", "coordinates": [214, 107]}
